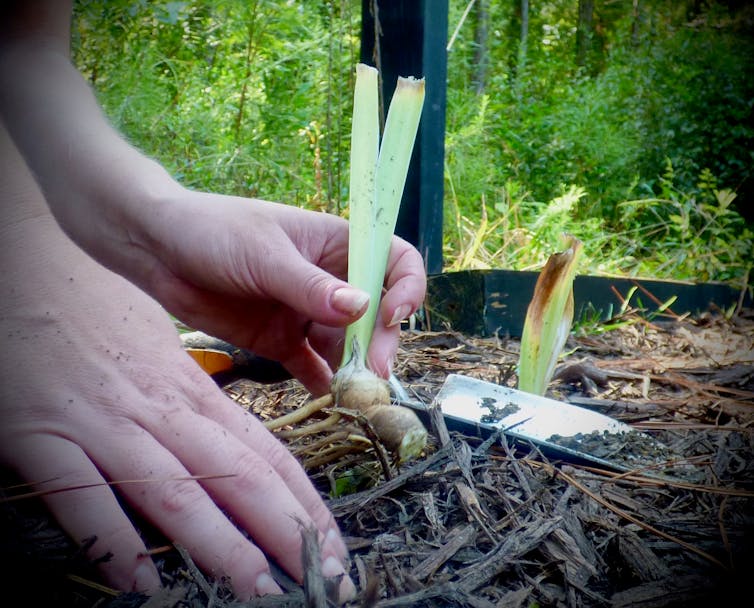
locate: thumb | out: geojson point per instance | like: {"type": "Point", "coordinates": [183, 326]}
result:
{"type": "Point", "coordinates": [313, 292]}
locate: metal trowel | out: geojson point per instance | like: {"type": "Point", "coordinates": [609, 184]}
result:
{"type": "Point", "coordinates": [560, 429]}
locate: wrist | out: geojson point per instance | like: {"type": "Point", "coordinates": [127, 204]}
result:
{"type": "Point", "coordinates": [137, 208]}
{"type": "Point", "coordinates": [102, 191]}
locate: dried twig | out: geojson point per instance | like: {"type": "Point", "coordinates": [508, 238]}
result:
{"type": "Point", "coordinates": [196, 574]}
{"type": "Point", "coordinates": [624, 514]}
{"type": "Point", "coordinates": [84, 486]}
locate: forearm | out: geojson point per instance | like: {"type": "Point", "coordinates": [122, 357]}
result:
{"type": "Point", "coordinates": [100, 189]}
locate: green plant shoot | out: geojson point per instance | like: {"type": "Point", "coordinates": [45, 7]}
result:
{"type": "Point", "coordinates": [548, 319]}
{"type": "Point", "coordinates": [377, 180]}
{"type": "Point", "coordinates": [378, 175]}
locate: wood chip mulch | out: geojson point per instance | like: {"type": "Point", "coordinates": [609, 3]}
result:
{"type": "Point", "coordinates": [495, 524]}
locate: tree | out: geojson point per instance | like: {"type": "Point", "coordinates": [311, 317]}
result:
{"type": "Point", "coordinates": [584, 32]}
{"type": "Point", "coordinates": [524, 39]}
{"type": "Point", "coordinates": [481, 52]}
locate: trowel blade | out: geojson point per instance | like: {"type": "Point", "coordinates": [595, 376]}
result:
{"type": "Point", "coordinates": [561, 428]}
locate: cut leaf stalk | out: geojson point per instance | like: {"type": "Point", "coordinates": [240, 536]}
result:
{"type": "Point", "coordinates": [362, 205]}
{"type": "Point", "coordinates": [377, 180]}
{"type": "Point", "coordinates": [378, 176]}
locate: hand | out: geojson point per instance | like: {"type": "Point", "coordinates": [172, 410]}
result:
{"type": "Point", "coordinates": [269, 278]}
{"type": "Point", "coordinates": [113, 396]}
{"type": "Point", "coordinates": [264, 276]}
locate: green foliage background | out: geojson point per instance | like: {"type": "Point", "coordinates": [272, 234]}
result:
{"type": "Point", "coordinates": [247, 98]}
{"type": "Point", "coordinates": [644, 152]}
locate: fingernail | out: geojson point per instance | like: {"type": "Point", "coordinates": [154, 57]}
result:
{"type": "Point", "coordinates": [402, 312]}
{"type": "Point", "coordinates": [331, 567]}
{"type": "Point", "coordinates": [146, 578]}
{"type": "Point", "coordinates": [334, 539]}
{"type": "Point", "coordinates": [349, 301]}
{"type": "Point", "coordinates": [266, 585]}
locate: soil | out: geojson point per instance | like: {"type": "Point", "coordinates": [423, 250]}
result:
{"type": "Point", "coordinates": [496, 413]}
{"type": "Point", "coordinates": [492, 523]}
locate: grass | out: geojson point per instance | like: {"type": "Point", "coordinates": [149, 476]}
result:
{"type": "Point", "coordinates": [694, 236]}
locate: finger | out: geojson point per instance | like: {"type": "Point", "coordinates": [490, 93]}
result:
{"type": "Point", "coordinates": [182, 509]}
{"type": "Point", "coordinates": [406, 283]}
{"type": "Point", "coordinates": [309, 368]}
{"type": "Point", "coordinates": [250, 488]}
{"type": "Point", "coordinates": [250, 431]}
{"type": "Point", "coordinates": [328, 343]}
{"type": "Point", "coordinates": [383, 348]}
{"type": "Point", "coordinates": [310, 290]}
{"type": "Point", "coordinates": [89, 512]}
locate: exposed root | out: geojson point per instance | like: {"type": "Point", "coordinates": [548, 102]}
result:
{"type": "Point", "coordinates": [300, 414]}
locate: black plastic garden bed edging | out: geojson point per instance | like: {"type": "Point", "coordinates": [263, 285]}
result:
{"type": "Point", "coordinates": [491, 302]}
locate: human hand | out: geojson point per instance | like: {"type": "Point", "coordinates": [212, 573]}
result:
{"type": "Point", "coordinates": [264, 276]}
{"type": "Point", "coordinates": [116, 398]}
{"type": "Point", "coordinates": [269, 277]}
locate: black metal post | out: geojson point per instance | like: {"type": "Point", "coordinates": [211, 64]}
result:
{"type": "Point", "coordinates": [412, 43]}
